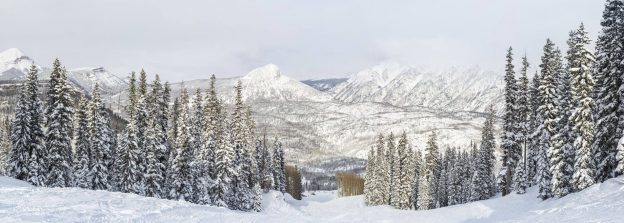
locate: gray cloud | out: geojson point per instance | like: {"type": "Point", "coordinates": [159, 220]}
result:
{"type": "Point", "coordinates": [307, 39]}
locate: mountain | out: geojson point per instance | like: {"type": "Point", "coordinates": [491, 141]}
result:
{"type": "Point", "coordinates": [316, 125]}
{"type": "Point", "coordinates": [14, 65]}
{"type": "Point", "coordinates": [450, 89]}
{"type": "Point", "coordinates": [324, 84]}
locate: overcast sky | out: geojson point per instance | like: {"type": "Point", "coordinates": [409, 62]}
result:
{"type": "Point", "coordinates": [183, 40]}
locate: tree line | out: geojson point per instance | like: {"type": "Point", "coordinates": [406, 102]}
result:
{"type": "Point", "coordinates": [193, 151]}
{"type": "Point", "coordinates": [404, 178]}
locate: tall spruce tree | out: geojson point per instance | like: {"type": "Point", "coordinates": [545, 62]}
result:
{"type": "Point", "coordinates": [482, 185]}
{"type": "Point", "coordinates": [524, 127]}
{"type": "Point", "coordinates": [535, 121]}
{"type": "Point", "coordinates": [390, 155]}
{"type": "Point", "coordinates": [278, 166]}
{"type": "Point", "coordinates": [510, 139]}
{"type": "Point", "coordinates": [609, 93]}
{"type": "Point", "coordinates": [427, 182]}
{"type": "Point", "coordinates": [180, 171]}
{"type": "Point", "coordinates": [550, 68]}
{"type": "Point", "coordinates": [580, 63]}
{"type": "Point", "coordinates": [59, 121]}
{"type": "Point", "coordinates": [100, 142]}
{"type": "Point", "coordinates": [28, 156]}
{"type": "Point", "coordinates": [82, 154]}
{"type": "Point", "coordinates": [560, 152]}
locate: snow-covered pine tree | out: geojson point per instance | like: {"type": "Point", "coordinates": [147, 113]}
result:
{"type": "Point", "coordinates": [59, 115]}
{"type": "Point", "coordinates": [402, 177]}
{"type": "Point", "coordinates": [524, 125]}
{"type": "Point", "coordinates": [455, 182]}
{"type": "Point", "coordinates": [428, 181]}
{"type": "Point", "coordinates": [5, 147]}
{"type": "Point", "coordinates": [609, 92]}
{"type": "Point", "coordinates": [240, 181]}
{"type": "Point", "coordinates": [424, 193]}
{"type": "Point", "coordinates": [264, 165]}
{"type": "Point", "coordinates": [100, 143]}
{"type": "Point", "coordinates": [119, 163]}
{"type": "Point", "coordinates": [131, 178]}
{"type": "Point", "coordinates": [141, 119]}
{"type": "Point", "coordinates": [550, 69]}
{"type": "Point", "coordinates": [482, 181]}
{"type": "Point", "coordinates": [160, 97]}
{"type": "Point", "coordinates": [223, 169]}
{"type": "Point", "coordinates": [213, 129]}
{"type": "Point", "coordinates": [520, 182]}
{"type": "Point", "coordinates": [417, 167]}
{"type": "Point", "coordinates": [390, 155]}
{"type": "Point", "coordinates": [369, 178]}
{"type": "Point", "coordinates": [580, 62]}
{"type": "Point", "coordinates": [181, 177]}
{"type": "Point", "coordinates": [153, 174]}
{"type": "Point", "coordinates": [28, 156]}
{"type": "Point", "coordinates": [200, 173]}
{"type": "Point", "coordinates": [560, 152]}
{"type": "Point", "coordinates": [82, 154]}
{"type": "Point", "coordinates": [510, 139]}
{"type": "Point", "coordinates": [278, 166]}
{"type": "Point", "coordinates": [535, 120]}
{"type": "Point", "coordinates": [380, 195]}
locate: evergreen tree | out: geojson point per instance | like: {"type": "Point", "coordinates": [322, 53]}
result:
{"type": "Point", "coordinates": [560, 152]}
{"type": "Point", "coordinates": [5, 147]}
{"type": "Point", "coordinates": [154, 168]}
{"type": "Point", "coordinates": [609, 92]}
{"type": "Point", "coordinates": [524, 124]}
{"type": "Point", "coordinates": [82, 155]}
{"type": "Point", "coordinates": [580, 62]}
{"type": "Point", "coordinates": [482, 185]}
{"type": "Point", "coordinates": [59, 115]}
{"type": "Point", "coordinates": [100, 143]}
{"type": "Point", "coordinates": [223, 170]}
{"type": "Point", "coordinates": [424, 194]}
{"type": "Point", "coordinates": [264, 165]}
{"type": "Point", "coordinates": [520, 181]}
{"type": "Point", "coordinates": [380, 196]}
{"type": "Point", "coordinates": [550, 69]}
{"type": "Point", "coordinates": [390, 157]}
{"type": "Point", "coordinates": [180, 176]}
{"type": "Point", "coordinates": [403, 175]}
{"type": "Point", "coordinates": [278, 166]}
{"type": "Point", "coordinates": [509, 145]}
{"type": "Point", "coordinates": [28, 156]}
{"type": "Point", "coordinates": [417, 167]}
{"type": "Point", "coordinates": [369, 178]}
{"type": "Point", "coordinates": [426, 197]}
{"type": "Point", "coordinates": [535, 120]}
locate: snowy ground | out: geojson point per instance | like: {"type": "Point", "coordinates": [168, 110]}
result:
{"type": "Point", "coordinates": [20, 202]}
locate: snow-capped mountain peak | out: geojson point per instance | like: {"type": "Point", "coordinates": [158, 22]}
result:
{"type": "Point", "coordinates": [14, 64]}
{"type": "Point", "coordinates": [266, 72]}
{"type": "Point", "coordinates": [10, 55]}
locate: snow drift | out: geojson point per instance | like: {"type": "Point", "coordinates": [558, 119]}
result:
{"type": "Point", "coordinates": [20, 202]}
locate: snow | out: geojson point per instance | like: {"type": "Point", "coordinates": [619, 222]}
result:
{"type": "Point", "coordinates": [22, 203]}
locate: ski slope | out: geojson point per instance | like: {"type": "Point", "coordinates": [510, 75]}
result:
{"type": "Point", "coordinates": [20, 202]}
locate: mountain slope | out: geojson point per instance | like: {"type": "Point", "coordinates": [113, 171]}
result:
{"type": "Point", "coordinates": [451, 89]}
{"type": "Point", "coordinates": [14, 65]}
{"type": "Point", "coordinates": [324, 84]}
{"type": "Point", "coordinates": [22, 203]}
